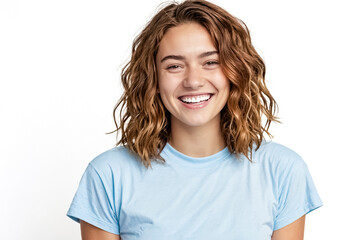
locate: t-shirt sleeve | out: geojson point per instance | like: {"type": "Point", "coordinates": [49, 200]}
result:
{"type": "Point", "coordinates": [297, 193]}
{"type": "Point", "coordinates": [93, 202]}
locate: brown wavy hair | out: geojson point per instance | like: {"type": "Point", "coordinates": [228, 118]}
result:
{"type": "Point", "coordinates": [144, 122]}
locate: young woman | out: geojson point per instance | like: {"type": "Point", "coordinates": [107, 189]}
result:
{"type": "Point", "coordinates": [192, 161]}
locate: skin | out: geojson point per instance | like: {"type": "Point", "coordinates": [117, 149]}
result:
{"type": "Point", "coordinates": [195, 70]}
{"type": "Point", "coordinates": [90, 232]}
{"type": "Point", "coordinates": [188, 64]}
{"type": "Point", "coordinates": [293, 231]}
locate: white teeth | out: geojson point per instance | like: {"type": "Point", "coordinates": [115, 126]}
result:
{"type": "Point", "coordinates": [196, 99]}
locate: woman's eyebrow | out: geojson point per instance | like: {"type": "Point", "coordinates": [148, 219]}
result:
{"type": "Point", "coordinates": [206, 54]}
{"type": "Point", "coordinates": [176, 57]}
{"type": "Point", "coordinates": [180, 57]}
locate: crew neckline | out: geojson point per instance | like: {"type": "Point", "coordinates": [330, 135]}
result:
{"type": "Point", "coordinates": [174, 155]}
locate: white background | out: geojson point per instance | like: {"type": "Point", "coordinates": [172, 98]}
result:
{"type": "Point", "coordinates": [59, 81]}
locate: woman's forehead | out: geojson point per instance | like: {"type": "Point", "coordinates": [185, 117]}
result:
{"type": "Point", "coordinates": [186, 39]}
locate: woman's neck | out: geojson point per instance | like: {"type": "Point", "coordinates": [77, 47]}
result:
{"type": "Point", "coordinates": [199, 141]}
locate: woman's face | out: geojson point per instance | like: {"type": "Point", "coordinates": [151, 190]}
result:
{"type": "Point", "coordinates": [192, 84]}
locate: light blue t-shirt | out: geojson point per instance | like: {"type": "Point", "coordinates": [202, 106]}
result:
{"type": "Point", "coordinates": [214, 197]}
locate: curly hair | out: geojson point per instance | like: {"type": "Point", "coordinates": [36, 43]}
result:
{"type": "Point", "coordinates": [144, 122]}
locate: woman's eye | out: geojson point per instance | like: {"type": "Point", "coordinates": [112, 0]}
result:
{"type": "Point", "coordinates": [173, 67]}
{"type": "Point", "coordinates": [211, 62]}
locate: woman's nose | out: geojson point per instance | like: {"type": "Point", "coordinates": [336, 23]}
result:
{"type": "Point", "coordinates": [193, 78]}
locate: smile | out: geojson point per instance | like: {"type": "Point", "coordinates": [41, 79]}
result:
{"type": "Point", "coordinates": [195, 99]}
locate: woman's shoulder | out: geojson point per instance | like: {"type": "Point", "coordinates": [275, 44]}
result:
{"type": "Point", "coordinates": [276, 154]}
{"type": "Point", "coordinates": [115, 159]}
{"type": "Point", "coordinates": [282, 162]}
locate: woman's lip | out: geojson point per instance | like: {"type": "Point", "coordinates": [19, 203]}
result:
{"type": "Point", "coordinates": [195, 95]}
{"type": "Point", "coordinates": [196, 105]}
